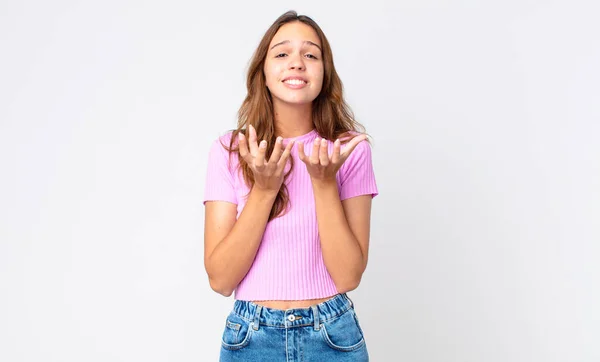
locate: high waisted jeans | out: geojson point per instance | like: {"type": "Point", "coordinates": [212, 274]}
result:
{"type": "Point", "coordinates": [328, 332]}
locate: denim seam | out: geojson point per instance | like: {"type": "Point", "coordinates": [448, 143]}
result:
{"type": "Point", "coordinates": [241, 316]}
{"type": "Point", "coordinates": [287, 357]}
{"type": "Point", "coordinates": [300, 344]}
{"type": "Point", "coordinates": [300, 325]}
{"type": "Point", "coordinates": [336, 316]}
{"type": "Point", "coordinates": [356, 346]}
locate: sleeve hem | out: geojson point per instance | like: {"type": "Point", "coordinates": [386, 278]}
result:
{"type": "Point", "coordinates": [219, 199]}
{"type": "Point", "coordinates": [359, 193]}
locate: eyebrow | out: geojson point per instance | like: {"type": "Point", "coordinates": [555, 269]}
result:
{"type": "Point", "coordinates": [306, 42]}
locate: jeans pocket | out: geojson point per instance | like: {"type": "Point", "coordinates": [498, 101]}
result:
{"type": "Point", "coordinates": [343, 333]}
{"type": "Point", "coordinates": [237, 333]}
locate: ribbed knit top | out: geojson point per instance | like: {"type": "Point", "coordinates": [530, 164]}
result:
{"type": "Point", "coordinates": [289, 264]}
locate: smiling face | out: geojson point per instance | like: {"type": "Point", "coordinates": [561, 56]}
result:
{"type": "Point", "coordinates": [294, 67]}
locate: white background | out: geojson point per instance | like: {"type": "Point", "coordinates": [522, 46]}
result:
{"type": "Point", "coordinates": [486, 143]}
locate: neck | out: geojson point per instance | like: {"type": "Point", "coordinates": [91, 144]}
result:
{"type": "Point", "coordinates": [292, 120]}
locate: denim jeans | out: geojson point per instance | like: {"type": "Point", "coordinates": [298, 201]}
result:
{"type": "Point", "coordinates": [328, 331]}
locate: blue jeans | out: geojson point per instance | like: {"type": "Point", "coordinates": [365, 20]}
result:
{"type": "Point", "coordinates": [328, 331]}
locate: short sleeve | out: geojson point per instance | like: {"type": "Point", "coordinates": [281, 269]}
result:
{"type": "Point", "coordinates": [356, 174]}
{"type": "Point", "coordinates": [220, 185]}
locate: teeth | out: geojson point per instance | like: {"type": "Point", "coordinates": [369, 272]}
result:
{"type": "Point", "coordinates": [295, 81]}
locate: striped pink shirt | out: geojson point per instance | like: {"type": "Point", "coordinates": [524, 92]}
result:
{"type": "Point", "coordinates": [288, 264]}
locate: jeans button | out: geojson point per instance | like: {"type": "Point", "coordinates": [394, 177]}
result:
{"type": "Point", "coordinates": [291, 318]}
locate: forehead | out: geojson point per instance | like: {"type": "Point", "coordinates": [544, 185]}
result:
{"type": "Point", "coordinates": [295, 31]}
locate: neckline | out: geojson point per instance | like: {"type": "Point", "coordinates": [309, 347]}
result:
{"type": "Point", "coordinates": [303, 137]}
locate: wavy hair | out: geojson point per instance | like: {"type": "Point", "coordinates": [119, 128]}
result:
{"type": "Point", "coordinates": [331, 115]}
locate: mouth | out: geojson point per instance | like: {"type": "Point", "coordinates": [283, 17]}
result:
{"type": "Point", "coordinates": [295, 81]}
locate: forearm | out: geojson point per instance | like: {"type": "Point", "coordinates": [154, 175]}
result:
{"type": "Point", "coordinates": [233, 256]}
{"type": "Point", "coordinates": [342, 254]}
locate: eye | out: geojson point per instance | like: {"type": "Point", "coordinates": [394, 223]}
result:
{"type": "Point", "coordinates": [280, 55]}
{"type": "Point", "coordinates": [311, 56]}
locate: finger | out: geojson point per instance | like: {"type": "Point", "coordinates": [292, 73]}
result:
{"type": "Point", "coordinates": [252, 140]}
{"type": "Point", "coordinates": [335, 158]}
{"type": "Point", "coordinates": [301, 154]}
{"type": "Point", "coordinates": [314, 154]}
{"type": "Point", "coordinates": [285, 155]}
{"type": "Point", "coordinates": [243, 146]}
{"type": "Point", "coordinates": [351, 145]}
{"type": "Point", "coordinates": [324, 153]}
{"type": "Point", "coordinates": [259, 160]}
{"type": "Point", "coordinates": [276, 154]}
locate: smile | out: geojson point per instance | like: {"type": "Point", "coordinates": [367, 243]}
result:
{"type": "Point", "coordinates": [295, 83]}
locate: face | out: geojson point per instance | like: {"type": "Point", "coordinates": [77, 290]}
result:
{"type": "Point", "coordinates": [294, 66]}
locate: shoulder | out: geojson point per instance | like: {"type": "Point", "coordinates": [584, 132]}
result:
{"type": "Point", "coordinates": [220, 149]}
{"type": "Point", "coordinates": [358, 162]}
{"type": "Point", "coordinates": [360, 152]}
{"type": "Point", "coordinates": [222, 143]}
{"type": "Point", "coordinates": [224, 139]}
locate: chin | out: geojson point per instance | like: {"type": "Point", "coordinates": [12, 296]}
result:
{"type": "Point", "coordinates": [297, 101]}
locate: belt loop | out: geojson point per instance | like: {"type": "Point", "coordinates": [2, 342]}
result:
{"type": "Point", "coordinates": [350, 300]}
{"type": "Point", "coordinates": [256, 321]}
{"type": "Point", "coordinates": [317, 322]}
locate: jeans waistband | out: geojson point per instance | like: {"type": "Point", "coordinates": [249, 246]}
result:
{"type": "Point", "coordinates": [295, 317]}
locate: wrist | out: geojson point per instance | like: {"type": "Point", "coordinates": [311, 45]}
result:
{"type": "Point", "coordinates": [324, 184]}
{"type": "Point", "coordinates": [264, 193]}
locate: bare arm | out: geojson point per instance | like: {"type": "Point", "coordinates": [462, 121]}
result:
{"type": "Point", "coordinates": [344, 228]}
{"type": "Point", "coordinates": [230, 245]}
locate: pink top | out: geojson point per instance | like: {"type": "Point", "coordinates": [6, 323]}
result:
{"type": "Point", "coordinates": [289, 264]}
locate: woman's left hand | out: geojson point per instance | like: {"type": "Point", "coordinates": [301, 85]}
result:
{"type": "Point", "coordinates": [320, 165]}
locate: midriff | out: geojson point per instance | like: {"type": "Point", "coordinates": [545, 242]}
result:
{"type": "Point", "coordinates": [290, 304]}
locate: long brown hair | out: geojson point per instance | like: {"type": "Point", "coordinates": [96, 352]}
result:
{"type": "Point", "coordinates": [331, 115]}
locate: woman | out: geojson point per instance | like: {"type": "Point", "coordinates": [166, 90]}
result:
{"type": "Point", "coordinates": [288, 204]}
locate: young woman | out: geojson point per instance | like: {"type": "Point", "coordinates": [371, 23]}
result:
{"type": "Point", "coordinates": [288, 204]}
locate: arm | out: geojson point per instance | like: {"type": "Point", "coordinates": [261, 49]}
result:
{"type": "Point", "coordinates": [229, 245]}
{"type": "Point", "coordinates": [343, 216]}
{"type": "Point", "coordinates": [344, 228]}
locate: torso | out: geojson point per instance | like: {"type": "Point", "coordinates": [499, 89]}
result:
{"type": "Point", "coordinates": [290, 304]}
{"type": "Point", "coordinates": [281, 243]}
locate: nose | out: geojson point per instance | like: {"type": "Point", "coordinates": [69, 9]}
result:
{"type": "Point", "coordinates": [296, 62]}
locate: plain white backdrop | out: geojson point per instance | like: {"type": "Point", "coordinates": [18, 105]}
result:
{"type": "Point", "coordinates": [485, 118]}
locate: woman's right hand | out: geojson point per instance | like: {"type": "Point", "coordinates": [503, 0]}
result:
{"type": "Point", "coordinates": [268, 175]}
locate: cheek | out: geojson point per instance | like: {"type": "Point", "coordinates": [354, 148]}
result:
{"type": "Point", "coordinates": [319, 74]}
{"type": "Point", "coordinates": [272, 74]}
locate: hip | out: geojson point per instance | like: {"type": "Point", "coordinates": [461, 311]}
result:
{"type": "Point", "coordinates": [327, 331]}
